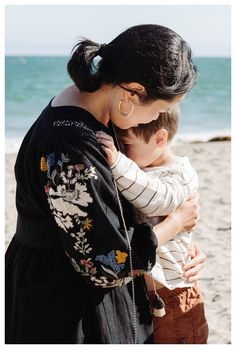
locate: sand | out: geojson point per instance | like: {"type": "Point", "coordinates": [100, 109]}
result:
{"type": "Point", "coordinates": [212, 162]}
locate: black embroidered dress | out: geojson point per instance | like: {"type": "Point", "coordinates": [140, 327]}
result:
{"type": "Point", "coordinates": [67, 266]}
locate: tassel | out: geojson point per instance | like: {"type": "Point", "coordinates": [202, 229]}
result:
{"type": "Point", "coordinates": [158, 306]}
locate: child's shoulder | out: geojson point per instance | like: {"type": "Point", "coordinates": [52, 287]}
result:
{"type": "Point", "coordinates": [183, 164]}
{"type": "Point", "coordinates": [180, 168]}
{"type": "Point", "coordinates": [179, 163]}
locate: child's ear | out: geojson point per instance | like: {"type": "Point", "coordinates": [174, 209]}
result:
{"type": "Point", "coordinates": [161, 137]}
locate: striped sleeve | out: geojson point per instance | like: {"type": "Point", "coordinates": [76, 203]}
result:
{"type": "Point", "coordinates": [153, 196]}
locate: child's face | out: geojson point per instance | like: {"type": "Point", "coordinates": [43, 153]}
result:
{"type": "Point", "coordinates": [144, 154]}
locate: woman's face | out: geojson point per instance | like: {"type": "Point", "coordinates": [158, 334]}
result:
{"type": "Point", "coordinates": [143, 113]}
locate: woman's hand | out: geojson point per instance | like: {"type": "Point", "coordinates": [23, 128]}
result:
{"type": "Point", "coordinates": [184, 218]}
{"type": "Point", "coordinates": [193, 269]}
{"type": "Point", "coordinates": [187, 215]}
{"type": "Point", "coordinates": [108, 146]}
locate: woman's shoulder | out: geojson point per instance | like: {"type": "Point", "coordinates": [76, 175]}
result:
{"type": "Point", "coordinates": [65, 98]}
{"type": "Point", "coordinates": [64, 116]}
{"type": "Point", "coordinates": [58, 127]}
{"type": "Point", "coordinates": [69, 112]}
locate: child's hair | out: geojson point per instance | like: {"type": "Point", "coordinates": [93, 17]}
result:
{"type": "Point", "coordinates": [149, 54]}
{"type": "Point", "coordinates": [168, 120]}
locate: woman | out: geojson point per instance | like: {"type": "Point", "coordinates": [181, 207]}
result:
{"type": "Point", "coordinates": [70, 265]}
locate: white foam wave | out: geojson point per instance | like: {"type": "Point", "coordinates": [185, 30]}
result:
{"type": "Point", "coordinates": [12, 145]}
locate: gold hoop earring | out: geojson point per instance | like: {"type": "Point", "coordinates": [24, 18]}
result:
{"type": "Point", "coordinates": [123, 113]}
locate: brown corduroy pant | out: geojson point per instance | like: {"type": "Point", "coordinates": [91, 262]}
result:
{"type": "Point", "coordinates": [184, 322]}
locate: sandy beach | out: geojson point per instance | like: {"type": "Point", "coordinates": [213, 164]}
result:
{"type": "Point", "coordinates": [212, 162]}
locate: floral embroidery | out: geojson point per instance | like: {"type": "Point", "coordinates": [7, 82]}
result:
{"type": "Point", "coordinates": [67, 190]}
{"type": "Point", "coordinates": [90, 271]}
{"type": "Point", "coordinates": [88, 266]}
{"type": "Point", "coordinates": [68, 199]}
{"type": "Point", "coordinates": [87, 223]}
{"type": "Point", "coordinates": [110, 260]}
{"type": "Point", "coordinates": [104, 282]}
{"type": "Point", "coordinates": [150, 266]}
{"type": "Point", "coordinates": [121, 256]}
{"type": "Point", "coordinates": [43, 164]}
{"type": "Point", "coordinates": [72, 123]}
{"type": "Point", "coordinates": [81, 243]}
{"type": "Point", "coordinates": [67, 195]}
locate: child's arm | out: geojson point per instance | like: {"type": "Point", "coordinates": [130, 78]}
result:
{"type": "Point", "coordinates": [152, 196]}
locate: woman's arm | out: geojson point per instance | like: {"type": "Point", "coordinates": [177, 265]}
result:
{"type": "Point", "coordinates": [80, 192]}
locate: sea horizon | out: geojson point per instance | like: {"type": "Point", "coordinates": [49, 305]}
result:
{"type": "Point", "coordinates": [32, 81]}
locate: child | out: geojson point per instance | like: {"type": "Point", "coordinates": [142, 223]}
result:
{"type": "Point", "coordinates": [156, 182]}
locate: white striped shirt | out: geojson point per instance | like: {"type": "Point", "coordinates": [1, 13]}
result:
{"type": "Point", "coordinates": [158, 191]}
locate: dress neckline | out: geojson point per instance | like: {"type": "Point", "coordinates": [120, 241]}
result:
{"type": "Point", "coordinates": [91, 116]}
{"type": "Point", "coordinates": [68, 106]}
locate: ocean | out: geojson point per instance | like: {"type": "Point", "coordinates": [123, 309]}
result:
{"type": "Point", "coordinates": [30, 83]}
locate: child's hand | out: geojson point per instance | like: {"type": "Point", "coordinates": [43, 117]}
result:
{"type": "Point", "coordinates": [108, 146]}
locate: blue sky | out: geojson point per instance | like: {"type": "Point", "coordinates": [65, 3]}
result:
{"type": "Point", "coordinates": [54, 29]}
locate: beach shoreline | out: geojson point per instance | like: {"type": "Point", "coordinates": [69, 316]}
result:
{"type": "Point", "coordinates": [212, 163]}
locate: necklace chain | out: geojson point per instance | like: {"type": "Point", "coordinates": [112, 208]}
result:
{"type": "Point", "coordinates": [129, 245]}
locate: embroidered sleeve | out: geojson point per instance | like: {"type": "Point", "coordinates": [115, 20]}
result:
{"type": "Point", "coordinates": [158, 195]}
{"type": "Point", "coordinates": [80, 193]}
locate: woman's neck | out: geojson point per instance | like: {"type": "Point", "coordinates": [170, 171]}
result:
{"type": "Point", "coordinates": [96, 103]}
